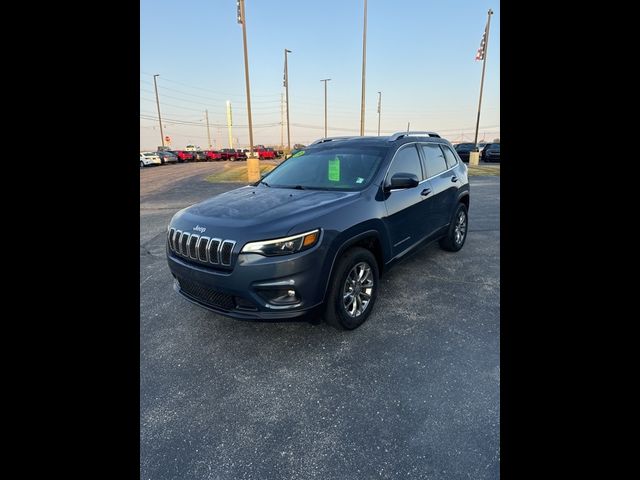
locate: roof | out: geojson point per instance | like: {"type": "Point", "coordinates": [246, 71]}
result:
{"type": "Point", "coordinates": [382, 141]}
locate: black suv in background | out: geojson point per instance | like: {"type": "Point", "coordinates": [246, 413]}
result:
{"type": "Point", "coordinates": [491, 153]}
{"type": "Point", "coordinates": [463, 150]}
{"type": "Point", "coordinates": [318, 231]}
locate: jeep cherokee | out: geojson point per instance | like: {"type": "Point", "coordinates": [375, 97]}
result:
{"type": "Point", "coordinates": [316, 233]}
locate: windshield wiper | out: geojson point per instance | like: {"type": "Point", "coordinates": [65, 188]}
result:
{"type": "Point", "coordinates": [299, 187]}
{"type": "Point", "coordinates": [264, 183]}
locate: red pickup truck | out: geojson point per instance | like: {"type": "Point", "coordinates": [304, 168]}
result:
{"type": "Point", "coordinates": [183, 155]}
{"type": "Point", "coordinates": [213, 155]}
{"type": "Point", "coordinates": [264, 153]}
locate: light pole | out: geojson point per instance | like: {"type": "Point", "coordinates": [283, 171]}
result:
{"type": "Point", "coordinates": [364, 64]}
{"type": "Point", "coordinates": [155, 84]}
{"type": "Point", "coordinates": [379, 104]}
{"type": "Point", "coordinates": [253, 164]}
{"type": "Point", "coordinates": [325, 105]}
{"type": "Point", "coordinates": [286, 85]}
{"type": "Point", "coordinates": [206, 114]}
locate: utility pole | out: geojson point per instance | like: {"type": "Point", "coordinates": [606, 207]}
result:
{"type": "Point", "coordinates": [282, 121]}
{"type": "Point", "coordinates": [483, 49]}
{"type": "Point", "coordinates": [206, 114]}
{"type": "Point", "coordinates": [286, 85]}
{"type": "Point", "coordinates": [253, 164]}
{"type": "Point", "coordinates": [325, 105]}
{"type": "Point", "coordinates": [229, 123]}
{"type": "Point", "coordinates": [155, 84]}
{"type": "Point", "coordinates": [379, 104]}
{"type": "Point", "coordinates": [364, 64]}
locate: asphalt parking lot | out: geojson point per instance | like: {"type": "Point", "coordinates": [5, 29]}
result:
{"type": "Point", "coordinates": [413, 393]}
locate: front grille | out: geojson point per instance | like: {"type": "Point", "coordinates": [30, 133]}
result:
{"type": "Point", "coordinates": [208, 296]}
{"type": "Point", "coordinates": [210, 251]}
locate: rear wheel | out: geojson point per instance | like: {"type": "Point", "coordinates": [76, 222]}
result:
{"type": "Point", "coordinates": [457, 233]}
{"type": "Point", "coordinates": [141, 164]}
{"type": "Point", "coordinates": [353, 291]}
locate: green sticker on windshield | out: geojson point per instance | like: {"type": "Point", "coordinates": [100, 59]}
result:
{"type": "Point", "coordinates": [334, 170]}
{"type": "Point", "coordinates": [298, 154]}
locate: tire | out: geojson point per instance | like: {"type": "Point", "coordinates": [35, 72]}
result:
{"type": "Point", "coordinates": [349, 266]}
{"type": "Point", "coordinates": [141, 164]}
{"type": "Point", "coordinates": [458, 228]}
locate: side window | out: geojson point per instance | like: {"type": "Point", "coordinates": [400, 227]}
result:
{"type": "Point", "coordinates": [434, 159]}
{"type": "Point", "coordinates": [406, 161]}
{"type": "Point", "coordinates": [449, 155]}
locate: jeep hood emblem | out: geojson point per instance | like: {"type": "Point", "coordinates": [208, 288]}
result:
{"type": "Point", "coordinates": [200, 229]}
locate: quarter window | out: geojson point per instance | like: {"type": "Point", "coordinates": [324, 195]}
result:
{"type": "Point", "coordinates": [406, 161]}
{"type": "Point", "coordinates": [434, 159]}
{"type": "Point", "coordinates": [449, 156]}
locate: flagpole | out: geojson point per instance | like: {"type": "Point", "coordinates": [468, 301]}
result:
{"type": "Point", "coordinates": [484, 64]}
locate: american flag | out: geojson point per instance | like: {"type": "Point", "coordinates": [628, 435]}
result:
{"type": "Point", "coordinates": [483, 44]}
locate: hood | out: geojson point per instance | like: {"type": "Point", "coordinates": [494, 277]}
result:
{"type": "Point", "coordinates": [266, 208]}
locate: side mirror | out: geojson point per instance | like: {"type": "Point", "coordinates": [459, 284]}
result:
{"type": "Point", "coordinates": [403, 180]}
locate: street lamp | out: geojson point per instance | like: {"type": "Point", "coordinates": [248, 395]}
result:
{"type": "Point", "coordinates": [286, 85]}
{"type": "Point", "coordinates": [253, 165]}
{"type": "Point", "coordinates": [379, 104]}
{"type": "Point", "coordinates": [325, 105]}
{"type": "Point", "coordinates": [155, 84]}
{"type": "Point", "coordinates": [364, 63]}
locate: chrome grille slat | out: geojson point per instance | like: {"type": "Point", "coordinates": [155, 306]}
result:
{"type": "Point", "coordinates": [202, 247]}
{"type": "Point", "coordinates": [226, 249]}
{"type": "Point", "coordinates": [184, 244]}
{"type": "Point", "coordinates": [177, 240]}
{"type": "Point", "coordinates": [192, 251]}
{"type": "Point", "coordinates": [214, 250]}
{"type": "Point", "coordinates": [170, 236]}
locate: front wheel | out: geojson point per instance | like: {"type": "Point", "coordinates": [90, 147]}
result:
{"type": "Point", "coordinates": [457, 233]}
{"type": "Point", "coordinates": [353, 290]}
{"type": "Point", "coordinates": [141, 164]}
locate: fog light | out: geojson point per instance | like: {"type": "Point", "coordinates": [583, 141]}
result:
{"type": "Point", "coordinates": [280, 296]}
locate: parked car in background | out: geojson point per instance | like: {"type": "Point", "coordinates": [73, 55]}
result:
{"type": "Point", "coordinates": [491, 153]}
{"type": "Point", "coordinates": [228, 154]}
{"type": "Point", "coordinates": [167, 157]}
{"type": "Point", "coordinates": [241, 155]}
{"type": "Point", "coordinates": [264, 153]}
{"type": "Point", "coordinates": [463, 150]}
{"type": "Point", "coordinates": [199, 156]}
{"type": "Point", "coordinates": [183, 155]}
{"type": "Point", "coordinates": [149, 158]}
{"type": "Point", "coordinates": [191, 148]}
{"type": "Point", "coordinates": [213, 155]}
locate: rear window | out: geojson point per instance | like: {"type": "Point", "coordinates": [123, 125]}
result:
{"type": "Point", "coordinates": [434, 159]}
{"type": "Point", "coordinates": [449, 156]}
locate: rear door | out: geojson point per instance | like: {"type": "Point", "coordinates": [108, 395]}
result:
{"type": "Point", "coordinates": [407, 209]}
{"type": "Point", "coordinates": [444, 183]}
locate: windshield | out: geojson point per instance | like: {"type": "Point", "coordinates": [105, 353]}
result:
{"type": "Point", "coordinates": [328, 169]}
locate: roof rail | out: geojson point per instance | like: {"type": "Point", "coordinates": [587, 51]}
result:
{"type": "Point", "coordinates": [329, 139]}
{"type": "Point", "coordinates": [398, 135]}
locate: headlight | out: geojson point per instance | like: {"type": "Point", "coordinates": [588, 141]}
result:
{"type": "Point", "coordinates": [283, 246]}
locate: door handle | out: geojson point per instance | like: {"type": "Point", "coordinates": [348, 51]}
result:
{"type": "Point", "coordinates": [454, 179]}
{"type": "Point", "coordinates": [425, 192]}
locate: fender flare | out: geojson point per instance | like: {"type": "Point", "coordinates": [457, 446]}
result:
{"type": "Point", "coordinates": [344, 246]}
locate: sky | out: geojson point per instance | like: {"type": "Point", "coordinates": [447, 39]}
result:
{"type": "Point", "coordinates": [420, 55]}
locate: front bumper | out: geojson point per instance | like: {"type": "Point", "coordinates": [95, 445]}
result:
{"type": "Point", "coordinates": [254, 280]}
